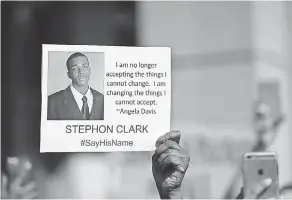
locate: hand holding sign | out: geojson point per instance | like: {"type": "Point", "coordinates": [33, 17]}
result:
{"type": "Point", "coordinates": [169, 165]}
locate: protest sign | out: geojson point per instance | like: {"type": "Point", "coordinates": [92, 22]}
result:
{"type": "Point", "coordinates": [104, 98]}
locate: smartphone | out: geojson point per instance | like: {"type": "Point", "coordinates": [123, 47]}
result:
{"type": "Point", "coordinates": [257, 167]}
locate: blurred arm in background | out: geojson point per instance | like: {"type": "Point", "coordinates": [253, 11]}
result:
{"type": "Point", "coordinates": [16, 182]}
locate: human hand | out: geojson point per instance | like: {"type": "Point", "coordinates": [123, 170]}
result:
{"type": "Point", "coordinates": [169, 165]}
{"type": "Point", "coordinates": [258, 192]}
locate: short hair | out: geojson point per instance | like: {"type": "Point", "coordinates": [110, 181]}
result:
{"type": "Point", "coordinates": [74, 55]}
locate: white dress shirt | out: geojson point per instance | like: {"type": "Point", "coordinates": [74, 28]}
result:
{"type": "Point", "coordinates": [78, 97]}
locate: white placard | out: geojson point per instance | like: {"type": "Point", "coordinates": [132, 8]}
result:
{"type": "Point", "coordinates": [129, 100]}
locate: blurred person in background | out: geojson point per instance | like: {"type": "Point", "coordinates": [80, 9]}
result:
{"type": "Point", "coordinates": [265, 128]}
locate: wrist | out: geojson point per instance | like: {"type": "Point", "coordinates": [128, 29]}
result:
{"type": "Point", "coordinates": [259, 146]}
{"type": "Point", "coordinates": [171, 194]}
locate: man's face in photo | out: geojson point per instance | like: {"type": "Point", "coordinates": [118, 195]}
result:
{"type": "Point", "coordinates": [79, 71]}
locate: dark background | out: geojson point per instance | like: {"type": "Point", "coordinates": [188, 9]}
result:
{"type": "Point", "coordinates": [25, 27]}
{"type": "Point", "coordinates": [219, 52]}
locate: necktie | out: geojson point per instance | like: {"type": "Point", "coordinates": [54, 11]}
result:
{"type": "Point", "coordinates": [85, 108]}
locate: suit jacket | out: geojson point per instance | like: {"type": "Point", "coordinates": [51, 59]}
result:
{"type": "Point", "coordinates": [62, 106]}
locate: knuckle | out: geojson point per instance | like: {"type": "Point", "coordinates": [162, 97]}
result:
{"type": "Point", "coordinates": [168, 151]}
{"type": "Point", "coordinates": [171, 158]}
{"type": "Point", "coordinates": [177, 132]}
{"type": "Point", "coordinates": [159, 160]}
{"type": "Point", "coordinates": [167, 134]}
{"type": "Point", "coordinates": [161, 138]}
{"type": "Point", "coordinates": [156, 151]}
{"type": "Point", "coordinates": [186, 155]}
{"type": "Point", "coordinates": [170, 143]}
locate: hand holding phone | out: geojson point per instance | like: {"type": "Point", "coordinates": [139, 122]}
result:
{"type": "Point", "coordinates": [260, 175]}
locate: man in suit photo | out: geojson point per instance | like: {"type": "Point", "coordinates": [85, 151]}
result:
{"type": "Point", "coordinates": [78, 101]}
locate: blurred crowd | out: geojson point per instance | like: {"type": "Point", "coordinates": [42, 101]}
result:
{"type": "Point", "coordinates": [18, 181]}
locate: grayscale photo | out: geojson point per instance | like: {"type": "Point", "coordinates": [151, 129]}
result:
{"type": "Point", "coordinates": [75, 86]}
{"type": "Point", "coordinates": [230, 133]}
